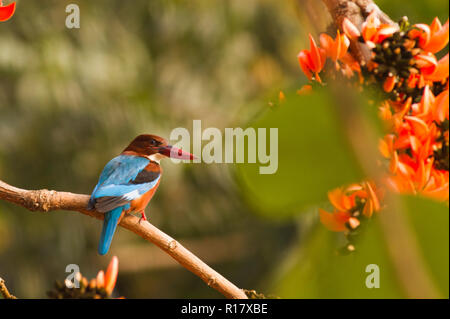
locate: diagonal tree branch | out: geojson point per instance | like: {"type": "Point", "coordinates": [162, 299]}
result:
{"type": "Point", "coordinates": [49, 200]}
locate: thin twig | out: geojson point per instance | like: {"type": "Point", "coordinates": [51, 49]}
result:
{"type": "Point", "coordinates": [4, 290]}
{"type": "Point", "coordinates": [49, 200]}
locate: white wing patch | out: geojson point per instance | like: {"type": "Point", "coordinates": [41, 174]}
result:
{"type": "Point", "coordinates": [131, 195]}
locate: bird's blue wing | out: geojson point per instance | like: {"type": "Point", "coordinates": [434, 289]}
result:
{"type": "Point", "coordinates": [122, 169]}
{"type": "Point", "coordinates": [116, 187]}
{"type": "Point", "coordinates": [112, 196]}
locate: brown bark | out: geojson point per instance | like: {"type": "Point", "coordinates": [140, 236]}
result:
{"type": "Point", "coordinates": [356, 11]}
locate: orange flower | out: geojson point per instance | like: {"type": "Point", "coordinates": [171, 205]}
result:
{"type": "Point", "coordinates": [372, 201]}
{"type": "Point", "coordinates": [349, 203]}
{"type": "Point", "coordinates": [419, 178]}
{"type": "Point", "coordinates": [440, 72]}
{"type": "Point", "coordinates": [334, 49]}
{"type": "Point", "coordinates": [334, 221]}
{"type": "Point", "coordinates": [437, 186]}
{"type": "Point", "coordinates": [111, 275]}
{"type": "Point", "coordinates": [424, 107]}
{"type": "Point", "coordinates": [426, 62]}
{"type": "Point", "coordinates": [312, 61]}
{"type": "Point", "coordinates": [108, 281]}
{"type": "Point", "coordinates": [7, 11]}
{"type": "Point", "coordinates": [413, 136]}
{"type": "Point", "coordinates": [370, 27]}
{"type": "Point", "coordinates": [431, 38]}
{"type": "Point", "coordinates": [440, 111]}
{"type": "Point", "coordinates": [373, 31]}
{"type": "Point", "coordinates": [389, 83]}
{"type": "Point", "coordinates": [386, 145]}
{"type": "Point", "coordinates": [100, 280]}
{"type": "Point", "coordinates": [411, 148]}
{"type": "Point", "coordinates": [350, 29]}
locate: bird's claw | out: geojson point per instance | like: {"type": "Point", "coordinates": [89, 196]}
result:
{"type": "Point", "coordinates": [143, 217]}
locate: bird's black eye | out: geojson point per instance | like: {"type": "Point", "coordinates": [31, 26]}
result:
{"type": "Point", "coordinates": [155, 143]}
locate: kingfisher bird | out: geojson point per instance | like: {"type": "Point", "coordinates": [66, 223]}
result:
{"type": "Point", "coordinates": [129, 181]}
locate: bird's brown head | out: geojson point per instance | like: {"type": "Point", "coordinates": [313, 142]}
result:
{"type": "Point", "coordinates": [155, 147]}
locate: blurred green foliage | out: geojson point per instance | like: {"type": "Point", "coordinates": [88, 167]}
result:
{"type": "Point", "coordinates": [321, 270]}
{"type": "Point", "coordinates": [416, 10]}
{"type": "Point", "coordinates": [70, 100]}
{"type": "Point", "coordinates": [313, 156]}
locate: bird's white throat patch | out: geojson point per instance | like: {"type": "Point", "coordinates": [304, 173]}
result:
{"type": "Point", "coordinates": [156, 157]}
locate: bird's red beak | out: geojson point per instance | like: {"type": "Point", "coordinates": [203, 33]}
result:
{"type": "Point", "coordinates": [174, 152]}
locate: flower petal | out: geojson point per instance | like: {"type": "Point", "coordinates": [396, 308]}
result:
{"type": "Point", "coordinates": [350, 29]}
{"type": "Point", "coordinates": [316, 56]}
{"type": "Point", "coordinates": [422, 32]}
{"type": "Point", "coordinates": [440, 72]}
{"type": "Point", "coordinates": [305, 63]}
{"type": "Point", "coordinates": [334, 221]}
{"type": "Point", "coordinates": [111, 275]}
{"type": "Point", "coordinates": [100, 279]}
{"type": "Point", "coordinates": [389, 84]}
{"type": "Point", "coordinates": [438, 40]}
{"type": "Point", "coordinates": [339, 200]}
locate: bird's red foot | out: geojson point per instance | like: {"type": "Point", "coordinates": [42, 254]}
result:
{"type": "Point", "coordinates": [143, 217]}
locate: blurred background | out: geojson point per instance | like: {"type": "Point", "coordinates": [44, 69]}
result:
{"type": "Point", "coordinates": [72, 99]}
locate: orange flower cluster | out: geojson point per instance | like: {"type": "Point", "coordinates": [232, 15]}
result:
{"type": "Point", "coordinates": [416, 109]}
{"type": "Point", "coordinates": [312, 62]}
{"type": "Point", "coordinates": [417, 146]}
{"type": "Point", "coordinates": [100, 287]}
{"type": "Point", "coordinates": [350, 203]}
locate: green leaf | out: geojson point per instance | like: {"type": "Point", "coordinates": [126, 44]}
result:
{"type": "Point", "coordinates": [313, 156]}
{"type": "Point", "coordinates": [318, 271]}
{"type": "Point", "coordinates": [430, 221]}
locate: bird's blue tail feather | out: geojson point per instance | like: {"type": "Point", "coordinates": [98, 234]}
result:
{"type": "Point", "coordinates": [109, 227]}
